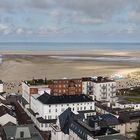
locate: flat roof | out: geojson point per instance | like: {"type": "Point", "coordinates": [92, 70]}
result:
{"type": "Point", "coordinates": [99, 79]}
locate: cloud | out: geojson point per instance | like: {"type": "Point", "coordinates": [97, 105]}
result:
{"type": "Point", "coordinates": [134, 16]}
{"type": "Point", "coordinates": [48, 30]}
{"type": "Point", "coordinates": [4, 29]}
{"type": "Point", "coordinates": [130, 29]}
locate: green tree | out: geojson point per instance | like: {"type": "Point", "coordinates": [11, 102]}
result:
{"type": "Point", "coordinates": [138, 132]}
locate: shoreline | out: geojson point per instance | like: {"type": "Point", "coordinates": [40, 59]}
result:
{"type": "Point", "coordinates": [72, 52]}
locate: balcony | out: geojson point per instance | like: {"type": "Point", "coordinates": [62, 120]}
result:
{"type": "Point", "coordinates": [113, 96]}
{"type": "Point", "coordinates": [104, 97]}
{"type": "Point", "coordinates": [104, 87]}
{"type": "Point", "coordinates": [113, 86]}
{"type": "Point", "coordinates": [113, 92]}
{"type": "Point", "coordinates": [104, 92]}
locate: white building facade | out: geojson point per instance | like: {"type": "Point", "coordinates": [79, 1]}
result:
{"type": "Point", "coordinates": [46, 107]}
{"type": "Point", "coordinates": [102, 88]}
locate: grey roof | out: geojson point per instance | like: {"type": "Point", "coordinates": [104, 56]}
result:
{"type": "Point", "coordinates": [129, 116]}
{"type": "Point", "coordinates": [10, 131]}
{"type": "Point", "coordinates": [65, 119]}
{"type": "Point", "coordinates": [69, 120]}
{"type": "Point", "coordinates": [110, 119]}
{"type": "Point", "coordinates": [113, 137]}
{"type": "Point", "coordinates": [53, 99]}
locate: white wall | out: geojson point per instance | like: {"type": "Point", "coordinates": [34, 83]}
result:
{"type": "Point", "coordinates": [1, 87]}
{"type": "Point", "coordinates": [134, 107]}
{"type": "Point", "coordinates": [54, 110]}
{"type": "Point", "coordinates": [25, 92]}
{"type": "Point", "coordinates": [7, 118]}
{"type": "Point", "coordinates": [105, 94]}
{"type": "Point", "coordinates": [57, 134]}
{"type": "Point", "coordinates": [85, 87]}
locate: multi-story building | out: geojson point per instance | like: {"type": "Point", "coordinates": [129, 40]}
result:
{"type": "Point", "coordinates": [57, 87]}
{"type": "Point", "coordinates": [45, 108]}
{"type": "Point", "coordinates": [65, 86]}
{"type": "Point", "coordinates": [70, 126]}
{"type": "Point", "coordinates": [33, 87]}
{"type": "Point", "coordinates": [87, 85]}
{"type": "Point", "coordinates": [103, 88]}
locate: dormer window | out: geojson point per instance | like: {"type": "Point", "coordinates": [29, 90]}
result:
{"type": "Point", "coordinates": [21, 134]}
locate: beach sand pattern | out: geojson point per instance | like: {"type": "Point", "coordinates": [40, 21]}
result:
{"type": "Point", "coordinates": [24, 65]}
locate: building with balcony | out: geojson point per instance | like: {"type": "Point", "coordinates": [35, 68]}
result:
{"type": "Point", "coordinates": [103, 88]}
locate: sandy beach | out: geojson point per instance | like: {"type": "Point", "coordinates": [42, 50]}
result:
{"type": "Point", "coordinates": [22, 65]}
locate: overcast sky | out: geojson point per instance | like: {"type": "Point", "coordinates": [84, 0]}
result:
{"type": "Point", "coordinates": [70, 20]}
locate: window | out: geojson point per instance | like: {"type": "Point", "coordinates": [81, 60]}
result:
{"type": "Point", "coordinates": [21, 134]}
{"type": "Point", "coordinates": [49, 110]}
{"type": "Point", "coordinates": [49, 105]}
{"type": "Point", "coordinates": [46, 125]}
{"type": "Point", "coordinates": [67, 104]}
{"type": "Point", "coordinates": [91, 107]}
{"type": "Point", "coordinates": [55, 110]}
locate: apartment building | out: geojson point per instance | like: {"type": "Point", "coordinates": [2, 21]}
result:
{"type": "Point", "coordinates": [45, 108]}
{"type": "Point", "coordinates": [103, 88]}
{"type": "Point", "coordinates": [65, 86]}
{"type": "Point", "coordinates": [57, 87]}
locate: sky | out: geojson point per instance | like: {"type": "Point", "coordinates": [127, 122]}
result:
{"type": "Point", "coordinates": [69, 20]}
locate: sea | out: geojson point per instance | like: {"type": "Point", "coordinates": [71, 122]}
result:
{"type": "Point", "coordinates": [41, 46]}
{"type": "Point", "coordinates": [49, 46]}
